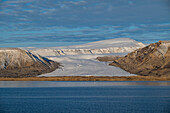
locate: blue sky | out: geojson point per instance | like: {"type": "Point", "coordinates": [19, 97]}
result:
{"type": "Point", "coordinates": [44, 23]}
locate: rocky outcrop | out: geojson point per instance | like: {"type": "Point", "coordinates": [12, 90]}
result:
{"type": "Point", "coordinates": [152, 60]}
{"type": "Point", "coordinates": [16, 62]}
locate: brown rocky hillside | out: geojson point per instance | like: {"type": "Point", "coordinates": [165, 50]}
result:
{"type": "Point", "coordinates": [16, 62]}
{"type": "Point", "coordinates": [152, 60]}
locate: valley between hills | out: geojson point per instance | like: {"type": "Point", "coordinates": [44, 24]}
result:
{"type": "Point", "coordinates": [120, 59]}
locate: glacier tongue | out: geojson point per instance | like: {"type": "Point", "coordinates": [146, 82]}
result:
{"type": "Point", "coordinates": [79, 60]}
{"type": "Point", "coordinates": [84, 65]}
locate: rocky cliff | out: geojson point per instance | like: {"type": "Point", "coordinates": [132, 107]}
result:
{"type": "Point", "coordinates": [152, 60]}
{"type": "Point", "coordinates": [16, 62]}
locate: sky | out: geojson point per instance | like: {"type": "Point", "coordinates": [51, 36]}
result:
{"type": "Point", "coordinates": [47, 23]}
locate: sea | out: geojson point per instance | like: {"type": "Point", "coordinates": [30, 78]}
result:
{"type": "Point", "coordinates": [84, 97]}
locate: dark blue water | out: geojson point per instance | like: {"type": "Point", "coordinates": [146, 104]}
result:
{"type": "Point", "coordinates": [85, 97]}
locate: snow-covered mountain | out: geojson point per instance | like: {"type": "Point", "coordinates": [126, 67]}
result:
{"type": "Point", "coordinates": [119, 45]}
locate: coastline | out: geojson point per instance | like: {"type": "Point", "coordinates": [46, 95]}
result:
{"type": "Point", "coordinates": [89, 78]}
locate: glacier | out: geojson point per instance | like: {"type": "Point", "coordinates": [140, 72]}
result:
{"type": "Point", "coordinates": [80, 60]}
{"type": "Point", "coordinates": [120, 45]}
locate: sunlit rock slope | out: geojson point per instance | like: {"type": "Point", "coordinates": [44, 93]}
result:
{"type": "Point", "coordinates": [152, 60]}
{"type": "Point", "coordinates": [16, 62]}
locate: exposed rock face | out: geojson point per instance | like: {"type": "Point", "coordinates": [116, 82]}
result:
{"type": "Point", "coordinates": [152, 60]}
{"type": "Point", "coordinates": [16, 62]}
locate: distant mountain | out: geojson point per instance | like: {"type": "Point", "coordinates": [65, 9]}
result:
{"type": "Point", "coordinates": [152, 60]}
{"type": "Point", "coordinates": [16, 62]}
{"type": "Point", "coordinates": [119, 45]}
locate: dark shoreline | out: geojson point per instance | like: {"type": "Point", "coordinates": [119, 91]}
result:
{"type": "Point", "coordinates": [89, 78]}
